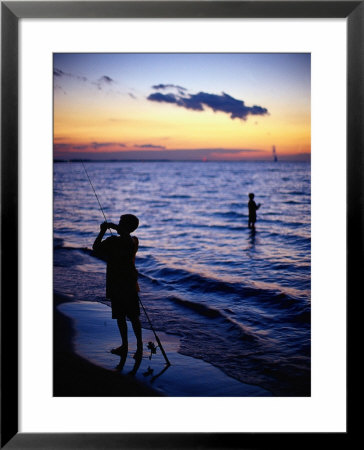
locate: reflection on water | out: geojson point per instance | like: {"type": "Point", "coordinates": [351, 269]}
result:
{"type": "Point", "coordinates": [239, 298]}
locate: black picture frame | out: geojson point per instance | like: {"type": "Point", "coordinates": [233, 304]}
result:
{"type": "Point", "coordinates": [11, 12]}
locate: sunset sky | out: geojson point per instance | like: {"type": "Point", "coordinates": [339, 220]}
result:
{"type": "Point", "coordinates": [182, 106]}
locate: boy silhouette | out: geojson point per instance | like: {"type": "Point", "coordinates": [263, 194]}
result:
{"type": "Point", "coordinates": [253, 207]}
{"type": "Point", "coordinates": [122, 277]}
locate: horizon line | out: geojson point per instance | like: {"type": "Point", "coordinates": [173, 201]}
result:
{"type": "Point", "coordinates": [59, 160]}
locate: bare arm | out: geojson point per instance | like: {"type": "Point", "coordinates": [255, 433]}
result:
{"type": "Point", "coordinates": [103, 227]}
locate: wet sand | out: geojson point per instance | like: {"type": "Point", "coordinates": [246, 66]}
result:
{"type": "Point", "coordinates": [84, 334]}
{"type": "Point", "coordinates": [74, 376]}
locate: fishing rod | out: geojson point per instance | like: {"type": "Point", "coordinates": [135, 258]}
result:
{"type": "Point", "coordinates": [150, 345]}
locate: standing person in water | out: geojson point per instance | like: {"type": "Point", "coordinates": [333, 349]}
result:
{"type": "Point", "coordinates": [253, 207]}
{"type": "Point", "coordinates": [122, 278]}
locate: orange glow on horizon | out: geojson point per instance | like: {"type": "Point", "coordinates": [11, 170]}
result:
{"type": "Point", "coordinates": [121, 116]}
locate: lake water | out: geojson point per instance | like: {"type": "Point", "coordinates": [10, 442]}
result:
{"type": "Point", "coordinates": [237, 299]}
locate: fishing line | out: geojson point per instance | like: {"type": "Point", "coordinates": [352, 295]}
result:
{"type": "Point", "coordinates": [97, 198]}
{"type": "Point", "coordinates": [76, 214]}
{"type": "Point", "coordinates": [145, 312]}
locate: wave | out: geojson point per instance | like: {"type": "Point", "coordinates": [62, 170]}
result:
{"type": "Point", "coordinates": [60, 244]}
{"type": "Point", "coordinates": [295, 239]}
{"type": "Point", "coordinates": [171, 277]}
{"type": "Point", "coordinates": [303, 317]}
{"type": "Point", "coordinates": [213, 313]}
{"type": "Point", "coordinates": [299, 193]}
{"type": "Point", "coordinates": [295, 202]}
{"type": "Point", "coordinates": [265, 218]}
{"type": "Point", "coordinates": [176, 196]}
{"type": "Point", "coordinates": [230, 214]}
{"type": "Point", "coordinates": [239, 293]}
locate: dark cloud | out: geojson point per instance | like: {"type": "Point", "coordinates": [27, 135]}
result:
{"type": "Point", "coordinates": [181, 90]}
{"type": "Point", "coordinates": [167, 98]}
{"type": "Point", "coordinates": [59, 73]}
{"type": "Point", "coordinates": [58, 87]}
{"type": "Point", "coordinates": [150, 146]}
{"type": "Point", "coordinates": [62, 147]}
{"type": "Point", "coordinates": [212, 154]}
{"type": "Point", "coordinates": [90, 146]}
{"type": "Point", "coordinates": [132, 96]}
{"type": "Point", "coordinates": [97, 145]}
{"type": "Point", "coordinates": [224, 103]}
{"type": "Point", "coordinates": [104, 81]}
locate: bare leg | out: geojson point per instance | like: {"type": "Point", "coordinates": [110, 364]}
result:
{"type": "Point", "coordinates": [137, 328]}
{"type": "Point", "coordinates": [123, 328]}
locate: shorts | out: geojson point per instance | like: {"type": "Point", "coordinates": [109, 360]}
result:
{"type": "Point", "coordinates": [125, 305]}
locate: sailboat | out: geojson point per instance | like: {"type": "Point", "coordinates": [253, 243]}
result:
{"type": "Point", "coordinates": [275, 159]}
